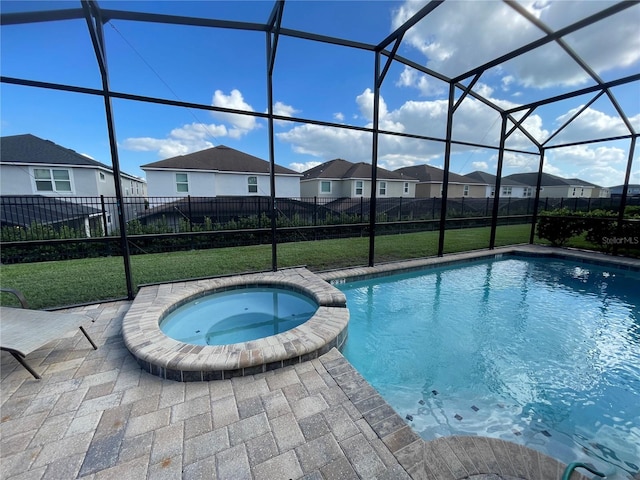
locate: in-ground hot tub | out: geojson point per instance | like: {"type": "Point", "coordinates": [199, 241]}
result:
{"type": "Point", "coordinates": [182, 360]}
{"type": "Point", "coordinates": [238, 315]}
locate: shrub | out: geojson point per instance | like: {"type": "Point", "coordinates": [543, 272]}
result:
{"type": "Point", "coordinates": [559, 225]}
{"type": "Point", "coordinates": [600, 225]}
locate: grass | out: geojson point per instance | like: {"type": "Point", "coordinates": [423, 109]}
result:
{"type": "Point", "coordinates": [70, 282]}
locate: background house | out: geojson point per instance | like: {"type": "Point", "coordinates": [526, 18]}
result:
{"type": "Point", "coordinates": [508, 186]}
{"type": "Point", "coordinates": [218, 171]}
{"type": "Point", "coordinates": [33, 170]}
{"type": "Point", "coordinates": [633, 190]}
{"type": "Point", "coordinates": [430, 183]}
{"type": "Point", "coordinates": [553, 186]}
{"type": "Point", "coordinates": [340, 178]}
{"type": "Point", "coordinates": [30, 165]}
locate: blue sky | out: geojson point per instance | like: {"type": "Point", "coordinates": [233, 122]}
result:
{"type": "Point", "coordinates": [324, 82]}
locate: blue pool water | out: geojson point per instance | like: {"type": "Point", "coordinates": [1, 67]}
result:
{"type": "Point", "coordinates": [238, 315]}
{"type": "Point", "coordinates": [544, 353]}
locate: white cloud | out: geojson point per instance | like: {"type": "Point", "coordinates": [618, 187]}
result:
{"type": "Point", "coordinates": [284, 110]}
{"type": "Point", "coordinates": [507, 80]}
{"type": "Point", "coordinates": [301, 167]}
{"type": "Point", "coordinates": [242, 124]}
{"type": "Point", "coordinates": [484, 166]}
{"type": "Point", "coordinates": [591, 124]}
{"type": "Point", "coordinates": [327, 142]}
{"type": "Point", "coordinates": [602, 165]}
{"type": "Point", "coordinates": [426, 85]}
{"type": "Point", "coordinates": [193, 137]}
{"type": "Point", "coordinates": [473, 122]}
{"type": "Point", "coordinates": [338, 116]}
{"type": "Point", "coordinates": [458, 36]}
{"type": "Point", "coordinates": [196, 132]}
{"type": "Point", "coordinates": [166, 147]}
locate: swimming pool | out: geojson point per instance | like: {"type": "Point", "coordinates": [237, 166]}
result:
{"type": "Point", "coordinates": [543, 352]}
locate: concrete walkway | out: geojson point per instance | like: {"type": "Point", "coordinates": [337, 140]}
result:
{"type": "Point", "coordinates": [97, 415]}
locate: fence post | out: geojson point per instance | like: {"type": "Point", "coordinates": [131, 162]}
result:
{"type": "Point", "coordinates": [315, 211]}
{"type": "Point", "coordinates": [104, 216]}
{"type": "Point", "coordinates": [508, 206]}
{"type": "Point", "coordinates": [462, 207]}
{"type": "Point", "coordinates": [361, 209]}
{"type": "Point", "coordinates": [400, 210]}
{"type": "Point", "coordinates": [190, 216]}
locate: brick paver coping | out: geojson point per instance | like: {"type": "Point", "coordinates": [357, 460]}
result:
{"type": "Point", "coordinates": [168, 358]}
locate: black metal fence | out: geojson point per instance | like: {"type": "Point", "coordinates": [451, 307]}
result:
{"type": "Point", "coordinates": [25, 218]}
{"type": "Point", "coordinates": [36, 228]}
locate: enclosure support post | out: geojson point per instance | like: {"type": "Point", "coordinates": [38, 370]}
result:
{"type": "Point", "coordinates": [94, 23]}
{"type": "Point", "coordinates": [625, 187]}
{"type": "Point", "coordinates": [534, 219]}
{"type": "Point", "coordinates": [374, 161]}
{"type": "Point", "coordinates": [445, 176]}
{"type": "Point", "coordinates": [496, 197]}
{"type": "Point", "coordinates": [272, 45]}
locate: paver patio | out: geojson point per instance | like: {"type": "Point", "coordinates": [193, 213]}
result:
{"type": "Point", "coordinates": [97, 415]}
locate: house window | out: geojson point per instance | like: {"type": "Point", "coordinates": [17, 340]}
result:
{"type": "Point", "coordinates": [182, 183]}
{"type": "Point", "coordinates": [52, 180]}
{"type": "Point", "coordinates": [528, 191]}
{"type": "Point", "coordinates": [573, 193]}
{"type": "Point", "coordinates": [493, 191]}
{"type": "Point", "coordinates": [325, 187]}
{"type": "Point", "coordinates": [359, 188]}
{"type": "Point", "coordinates": [252, 184]}
{"type": "Point", "coordinates": [506, 191]}
{"type": "Point", "coordinates": [102, 177]}
{"type": "Point", "coordinates": [465, 191]}
{"type": "Point", "coordinates": [406, 187]}
{"type": "Point", "coordinates": [382, 188]}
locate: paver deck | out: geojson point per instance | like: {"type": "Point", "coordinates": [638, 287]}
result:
{"type": "Point", "coordinates": [98, 415]}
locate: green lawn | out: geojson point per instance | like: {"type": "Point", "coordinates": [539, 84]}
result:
{"type": "Point", "coordinates": [70, 282]}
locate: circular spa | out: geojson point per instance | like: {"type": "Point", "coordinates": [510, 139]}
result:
{"type": "Point", "coordinates": [234, 326]}
{"type": "Point", "coordinates": [238, 315]}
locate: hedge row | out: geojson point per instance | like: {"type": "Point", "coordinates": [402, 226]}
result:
{"type": "Point", "coordinates": [599, 227]}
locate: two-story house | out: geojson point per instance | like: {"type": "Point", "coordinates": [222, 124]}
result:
{"type": "Point", "coordinates": [430, 181]}
{"type": "Point", "coordinates": [218, 171]}
{"type": "Point", "coordinates": [552, 186]}
{"type": "Point", "coordinates": [340, 178]}
{"type": "Point", "coordinates": [45, 183]}
{"type": "Point", "coordinates": [508, 187]}
{"type": "Point", "coordinates": [33, 166]}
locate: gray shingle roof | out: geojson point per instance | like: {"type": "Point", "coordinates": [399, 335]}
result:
{"type": "Point", "coordinates": [341, 169]}
{"type": "Point", "coordinates": [429, 174]}
{"type": "Point", "coordinates": [218, 159]}
{"type": "Point", "coordinates": [490, 179]}
{"type": "Point", "coordinates": [483, 177]}
{"type": "Point", "coordinates": [30, 149]}
{"type": "Point", "coordinates": [548, 180]}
